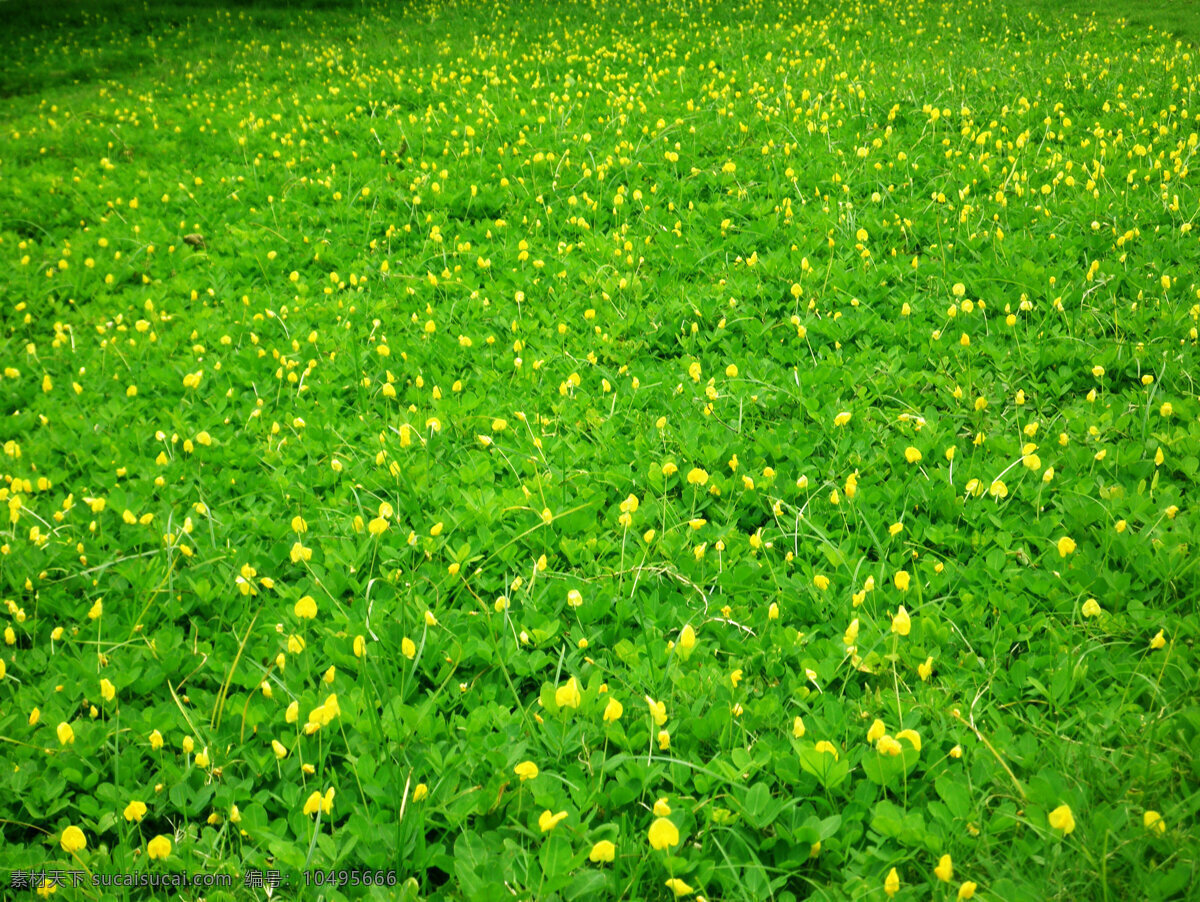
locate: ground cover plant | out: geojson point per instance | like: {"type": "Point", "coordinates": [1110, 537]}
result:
{"type": "Point", "coordinates": [599, 451]}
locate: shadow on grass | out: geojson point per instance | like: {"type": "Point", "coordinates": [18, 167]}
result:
{"type": "Point", "coordinates": [1180, 18]}
{"type": "Point", "coordinates": [104, 28]}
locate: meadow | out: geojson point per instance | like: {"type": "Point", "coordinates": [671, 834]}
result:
{"type": "Point", "coordinates": [463, 450]}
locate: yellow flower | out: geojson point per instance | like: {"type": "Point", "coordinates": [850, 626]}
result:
{"type": "Point", "coordinates": [420, 791]}
{"type": "Point", "coordinates": [966, 890]}
{"type": "Point", "coordinates": [658, 711]}
{"type": "Point", "coordinates": [326, 712]}
{"type": "Point", "coordinates": [548, 821]}
{"type": "Point", "coordinates": [912, 736]}
{"type": "Point", "coordinates": [526, 770]}
{"type": "Point", "coordinates": [279, 748]}
{"type": "Point", "coordinates": [877, 730]}
{"type": "Point", "coordinates": [202, 759]}
{"type": "Point", "coordinates": [567, 695]}
{"type": "Point", "coordinates": [687, 638]}
{"type": "Point", "coordinates": [663, 834]}
{"type": "Point", "coordinates": [319, 803]}
{"type": "Point", "coordinates": [1153, 821]}
{"type": "Point", "coordinates": [842, 418]}
{"type": "Point", "coordinates": [360, 646]}
{"type": "Point", "coordinates": [891, 884]}
{"type": "Point", "coordinates": [1158, 641]}
{"type": "Point", "coordinates": [912, 455]}
{"type": "Point", "coordinates": [661, 808]}
{"type": "Point", "coordinates": [108, 690]}
{"type": "Point", "coordinates": [408, 648]}
{"type": "Point", "coordinates": [851, 634]}
{"type": "Point", "coordinates": [664, 740]}
{"type": "Point", "coordinates": [156, 740]}
{"type": "Point", "coordinates": [902, 580]}
{"type": "Point", "coordinates": [293, 712]}
{"type": "Point", "coordinates": [613, 711]}
{"type": "Point", "coordinates": [944, 869]}
{"type": "Point", "coordinates": [677, 886]}
{"type": "Point", "coordinates": [827, 747]}
{"type": "Point", "coordinates": [888, 746]}
{"type": "Point", "coordinates": [73, 840]}
{"type": "Point", "coordinates": [66, 735]}
{"type": "Point", "coordinates": [135, 811]}
{"type": "Point", "coordinates": [1065, 546]}
{"type": "Point", "coordinates": [158, 848]}
{"type": "Point", "coordinates": [901, 623]}
{"type": "Point", "coordinates": [798, 729]}
{"type": "Point", "coordinates": [925, 670]}
{"type": "Point", "coordinates": [96, 610]}
{"type": "Point", "coordinates": [1091, 608]}
{"type": "Point", "coordinates": [697, 476]}
{"type": "Point", "coordinates": [306, 608]}
{"type": "Point", "coordinates": [821, 581]}
{"type": "Point", "coordinates": [602, 851]}
{"type": "Point", "coordinates": [1062, 819]}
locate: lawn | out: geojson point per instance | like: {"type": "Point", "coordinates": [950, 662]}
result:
{"type": "Point", "coordinates": [460, 450]}
{"type": "Point", "coordinates": [1156, 19]}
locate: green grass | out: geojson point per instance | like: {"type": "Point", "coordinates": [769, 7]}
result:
{"type": "Point", "coordinates": [1153, 19]}
{"type": "Point", "coordinates": [764, 435]}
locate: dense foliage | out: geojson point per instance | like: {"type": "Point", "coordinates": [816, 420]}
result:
{"type": "Point", "coordinates": [602, 450]}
